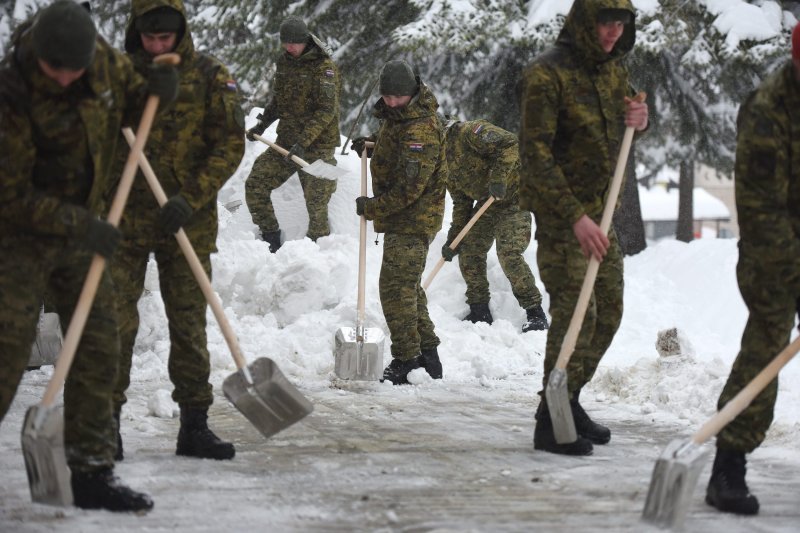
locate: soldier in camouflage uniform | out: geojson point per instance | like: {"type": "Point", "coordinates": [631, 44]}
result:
{"type": "Point", "coordinates": [64, 95]}
{"type": "Point", "coordinates": [574, 113]}
{"type": "Point", "coordinates": [408, 179]}
{"type": "Point", "coordinates": [305, 97]}
{"type": "Point", "coordinates": [194, 148]}
{"type": "Point", "coordinates": [483, 161]}
{"type": "Point", "coordinates": [768, 272]}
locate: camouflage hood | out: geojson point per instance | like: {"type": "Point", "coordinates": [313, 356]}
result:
{"type": "Point", "coordinates": [580, 30]}
{"type": "Point", "coordinates": [133, 44]}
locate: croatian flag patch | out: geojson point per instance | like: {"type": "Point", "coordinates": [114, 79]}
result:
{"type": "Point", "coordinates": [231, 85]}
{"type": "Point", "coordinates": [477, 129]}
{"type": "Point", "coordinates": [415, 147]}
{"type": "Point", "coordinates": [329, 73]}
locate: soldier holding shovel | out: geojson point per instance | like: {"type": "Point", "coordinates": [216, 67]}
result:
{"type": "Point", "coordinates": [574, 115]}
{"type": "Point", "coordinates": [64, 94]}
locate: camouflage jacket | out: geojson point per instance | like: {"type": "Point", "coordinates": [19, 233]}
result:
{"type": "Point", "coordinates": [196, 144]}
{"type": "Point", "coordinates": [408, 168]}
{"type": "Point", "coordinates": [305, 97]}
{"type": "Point", "coordinates": [58, 146]}
{"type": "Point", "coordinates": [768, 183]}
{"type": "Point", "coordinates": [479, 153]}
{"type": "Point", "coordinates": [573, 113]}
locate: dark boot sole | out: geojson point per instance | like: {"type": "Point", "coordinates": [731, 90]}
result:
{"type": "Point", "coordinates": [730, 508]}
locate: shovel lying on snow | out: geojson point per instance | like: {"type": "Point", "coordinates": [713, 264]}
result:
{"type": "Point", "coordinates": [318, 168]}
{"type": "Point", "coordinates": [358, 352]}
{"type": "Point", "coordinates": [43, 428]}
{"type": "Point", "coordinates": [680, 464]}
{"type": "Point", "coordinates": [556, 391]}
{"type": "Point", "coordinates": [457, 240]}
{"type": "Point", "coordinates": [261, 391]}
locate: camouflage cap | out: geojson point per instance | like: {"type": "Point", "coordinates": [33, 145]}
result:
{"type": "Point", "coordinates": [294, 30]}
{"type": "Point", "coordinates": [64, 35]}
{"type": "Point", "coordinates": [160, 20]}
{"type": "Point", "coordinates": [398, 79]}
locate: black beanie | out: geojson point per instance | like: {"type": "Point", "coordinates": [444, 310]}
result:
{"type": "Point", "coordinates": [294, 31]}
{"type": "Point", "coordinates": [160, 20]}
{"type": "Point", "coordinates": [398, 79]}
{"type": "Point", "coordinates": [64, 36]}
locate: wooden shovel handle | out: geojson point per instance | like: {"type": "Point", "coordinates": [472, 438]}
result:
{"type": "Point", "coordinates": [362, 249]}
{"type": "Point", "coordinates": [457, 240]}
{"type": "Point", "coordinates": [191, 258]}
{"type": "Point", "coordinates": [90, 285]}
{"type": "Point", "coordinates": [745, 396]}
{"type": "Point", "coordinates": [283, 151]}
{"type": "Point", "coordinates": [571, 337]}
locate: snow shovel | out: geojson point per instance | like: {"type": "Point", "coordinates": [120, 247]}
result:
{"type": "Point", "coordinates": [43, 428]}
{"type": "Point", "coordinates": [556, 392]}
{"type": "Point", "coordinates": [318, 168]}
{"type": "Point", "coordinates": [680, 464]}
{"type": "Point", "coordinates": [358, 352]}
{"type": "Point", "coordinates": [261, 392]}
{"type": "Point", "coordinates": [457, 240]}
{"type": "Point", "coordinates": [49, 339]}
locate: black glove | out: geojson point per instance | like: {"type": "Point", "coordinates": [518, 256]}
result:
{"type": "Point", "coordinates": [258, 129]}
{"type": "Point", "coordinates": [448, 253]}
{"type": "Point", "coordinates": [498, 190]}
{"type": "Point", "coordinates": [358, 145]}
{"type": "Point", "coordinates": [361, 203]}
{"type": "Point", "coordinates": [101, 237]}
{"type": "Point", "coordinates": [162, 81]}
{"type": "Point", "coordinates": [297, 150]}
{"type": "Point", "coordinates": [174, 214]}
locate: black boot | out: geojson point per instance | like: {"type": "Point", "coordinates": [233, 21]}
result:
{"type": "Point", "coordinates": [273, 238]}
{"type": "Point", "coordinates": [586, 427]}
{"type": "Point", "coordinates": [196, 440]}
{"type": "Point", "coordinates": [544, 439]}
{"type": "Point", "coordinates": [118, 455]}
{"type": "Point", "coordinates": [537, 321]}
{"type": "Point", "coordinates": [100, 489]}
{"type": "Point", "coordinates": [727, 489]}
{"type": "Point", "coordinates": [397, 371]}
{"type": "Point", "coordinates": [429, 360]}
{"type": "Point", "coordinates": [479, 313]}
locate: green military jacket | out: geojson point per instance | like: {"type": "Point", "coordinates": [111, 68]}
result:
{"type": "Point", "coordinates": [479, 153]}
{"type": "Point", "coordinates": [408, 168]}
{"type": "Point", "coordinates": [58, 146]}
{"type": "Point", "coordinates": [768, 183]}
{"type": "Point", "coordinates": [305, 97]}
{"type": "Point", "coordinates": [573, 120]}
{"type": "Point", "coordinates": [196, 144]}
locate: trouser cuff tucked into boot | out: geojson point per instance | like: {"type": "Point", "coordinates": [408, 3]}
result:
{"type": "Point", "coordinates": [727, 489]}
{"type": "Point", "coordinates": [196, 440]}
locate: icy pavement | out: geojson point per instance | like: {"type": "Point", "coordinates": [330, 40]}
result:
{"type": "Point", "coordinates": [438, 456]}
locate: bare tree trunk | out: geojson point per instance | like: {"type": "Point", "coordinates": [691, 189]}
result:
{"type": "Point", "coordinates": [685, 229]}
{"type": "Point", "coordinates": [628, 218]}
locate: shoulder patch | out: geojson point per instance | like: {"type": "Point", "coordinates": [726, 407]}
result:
{"type": "Point", "coordinates": [415, 146]}
{"type": "Point", "coordinates": [477, 129]}
{"type": "Point", "coordinates": [231, 85]}
{"type": "Point", "coordinates": [329, 73]}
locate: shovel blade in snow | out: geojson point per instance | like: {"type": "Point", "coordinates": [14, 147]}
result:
{"type": "Point", "coordinates": [359, 360]}
{"type": "Point", "coordinates": [271, 403]}
{"type": "Point", "coordinates": [321, 169]}
{"type": "Point", "coordinates": [45, 458]}
{"type": "Point", "coordinates": [49, 339]}
{"type": "Point", "coordinates": [558, 404]}
{"type": "Point", "coordinates": [672, 485]}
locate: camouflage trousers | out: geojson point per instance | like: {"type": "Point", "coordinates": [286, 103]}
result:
{"type": "Point", "coordinates": [185, 306]}
{"type": "Point", "coordinates": [404, 303]}
{"type": "Point", "coordinates": [28, 269]}
{"type": "Point", "coordinates": [270, 171]}
{"type": "Point", "coordinates": [511, 229]}
{"type": "Point", "coordinates": [563, 266]}
{"type": "Point", "coordinates": [767, 332]}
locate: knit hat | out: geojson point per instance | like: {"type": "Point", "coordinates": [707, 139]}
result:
{"type": "Point", "coordinates": [614, 15]}
{"type": "Point", "coordinates": [398, 79]}
{"type": "Point", "coordinates": [64, 35]}
{"type": "Point", "coordinates": [160, 20]}
{"type": "Point", "coordinates": [796, 42]}
{"type": "Point", "coordinates": [294, 31]}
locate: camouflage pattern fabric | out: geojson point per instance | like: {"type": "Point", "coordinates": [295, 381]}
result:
{"type": "Point", "coordinates": [404, 303]}
{"type": "Point", "coordinates": [768, 271]}
{"type": "Point", "coordinates": [194, 147]}
{"type": "Point", "coordinates": [305, 97]}
{"type": "Point", "coordinates": [478, 154]}
{"type": "Point", "coordinates": [573, 109]}
{"type": "Point", "coordinates": [57, 147]}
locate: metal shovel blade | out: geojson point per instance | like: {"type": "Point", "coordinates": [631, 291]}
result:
{"type": "Point", "coordinates": [558, 405]}
{"type": "Point", "coordinates": [49, 339]}
{"type": "Point", "coordinates": [45, 459]}
{"type": "Point", "coordinates": [321, 169]}
{"type": "Point", "coordinates": [271, 403]}
{"type": "Point", "coordinates": [358, 360]}
{"type": "Point", "coordinates": [672, 485]}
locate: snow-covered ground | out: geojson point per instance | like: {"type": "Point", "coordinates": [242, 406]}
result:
{"type": "Point", "coordinates": [450, 455]}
